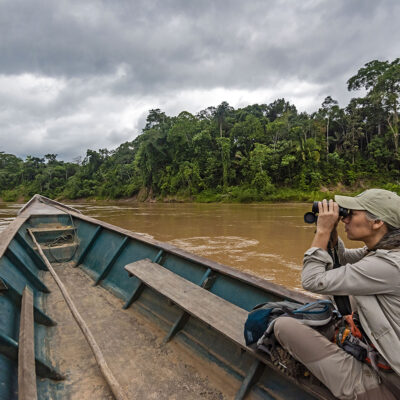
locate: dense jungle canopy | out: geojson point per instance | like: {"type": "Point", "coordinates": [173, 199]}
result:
{"type": "Point", "coordinates": [259, 152]}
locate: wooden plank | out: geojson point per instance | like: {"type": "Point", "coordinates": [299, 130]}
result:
{"type": "Point", "coordinates": [112, 261]}
{"type": "Point", "coordinates": [39, 316]}
{"type": "Point", "coordinates": [222, 315]}
{"type": "Point", "coordinates": [89, 245]}
{"type": "Point", "coordinates": [27, 389]}
{"type": "Point", "coordinates": [135, 295]}
{"type": "Point", "coordinates": [251, 378]}
{"type": "Point", "coordinates": [28, 274]}
{"type": "Point", "coordinates": [41, 204]}
{"type": "Point", "coordinates": [31, 253]}
{"type": "Point", "coordinates": [8, 234]}
{"type": "Point", "coordinates": [116, 389]}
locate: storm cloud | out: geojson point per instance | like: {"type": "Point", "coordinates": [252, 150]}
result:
{"type": "Point", "coordinates": [83, 74]}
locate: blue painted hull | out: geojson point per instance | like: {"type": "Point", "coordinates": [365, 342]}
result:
{"type": "Point", "coordinates": [102, 251]}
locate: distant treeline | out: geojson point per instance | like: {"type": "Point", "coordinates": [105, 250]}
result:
{"type": "Point", "coordinates": [259, 152]}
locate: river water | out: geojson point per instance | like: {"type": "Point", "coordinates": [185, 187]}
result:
{"type": "Point", "coordinates": [267, 240]}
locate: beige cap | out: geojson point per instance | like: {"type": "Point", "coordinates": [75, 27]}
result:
{"type": "Point", "coordinates": [382, 203]}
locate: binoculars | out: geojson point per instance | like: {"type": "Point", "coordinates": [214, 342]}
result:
{"type": "Point", "coordinates": [312, 216]}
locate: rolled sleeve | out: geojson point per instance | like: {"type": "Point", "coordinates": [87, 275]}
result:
{"type": "Point", "coordinates": [315, 264]}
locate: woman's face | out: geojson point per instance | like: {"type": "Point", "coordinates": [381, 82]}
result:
{"type": "Point", "coordinates": [357, 226]}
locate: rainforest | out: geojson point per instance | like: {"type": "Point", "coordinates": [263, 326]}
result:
{"type": "Point", "coordinates": [261, 152]}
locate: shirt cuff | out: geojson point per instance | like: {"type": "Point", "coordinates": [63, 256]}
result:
{"type": "Point", "coordinates": [318, 254]}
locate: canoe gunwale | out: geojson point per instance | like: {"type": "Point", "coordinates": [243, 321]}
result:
{"type": "Point", "coordinates": [46, 200]}
{"type": "Point", "coordinates": [255, 281]}
{"type": "Point", "coordinates": [11, 230]}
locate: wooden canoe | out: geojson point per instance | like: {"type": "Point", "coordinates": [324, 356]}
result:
{"type": "Point", "coordinates": [168, 324]}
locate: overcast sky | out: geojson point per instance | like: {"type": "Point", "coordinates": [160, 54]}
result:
{"type": "Point", "coordinates": [83, 74]}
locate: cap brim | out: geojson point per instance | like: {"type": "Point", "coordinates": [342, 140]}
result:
{"type": "Point", "coordinates": [348, 202]}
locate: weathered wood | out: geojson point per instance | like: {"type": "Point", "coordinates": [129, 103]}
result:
{"type": "Point", "coordinates": [29, 275]}
{"type": "Point", "coordinates": [9, 348]}
{"type": "Point", "coordinates": [158, 257]}
{"type": "Point", "coordinates": [205, 283]}
{"type": "Point", "coordinates": [251, 378]}
{"type": "Point", "coordinates": [255, 281]}
{"type": "Point", "coordinates": [27, 389]}
{"type": "Point", "coordinates": [134, 296]}
{"type": "Point", "coordinates": [8, 234]}
{"type": "Point", "coordinates": [86, 250]}
{"type": "Point", "coordinates": [116, 389]}
{"type": "Point", "coordinates": [13, 293]}
{"type": "Point", "coordinates": [222, 315]}
{"type": "Point", "coordinates": [44, 202]}
{"type": "Point", "coordinates": [31, 253]}
{"type": "Point", "coordinates": [178, 325]}
{"type": "Point", "coordinates": [114, 258]}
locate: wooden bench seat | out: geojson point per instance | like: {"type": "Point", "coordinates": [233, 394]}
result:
{"type": "Point", "coordinates": [222, 315]}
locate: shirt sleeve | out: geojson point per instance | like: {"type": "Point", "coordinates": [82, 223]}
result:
{"type": "Point", "coordinates": [349, 256]}
{"type": "Point", "coordinates": [373, 274]}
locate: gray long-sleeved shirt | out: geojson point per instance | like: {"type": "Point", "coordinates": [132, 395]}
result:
{"type": "Point", "coordinates": [373, 279]}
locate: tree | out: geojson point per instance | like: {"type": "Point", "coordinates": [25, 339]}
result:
{"type": "Point", "coordinates": [221, 113]}
{"type": "Point", "coordinates": [382, 81]}
{"type": "Point", "coordinates": [156, 119]}
{"type": "Point", "coordinates": [330, 111]}
{"type": "Point", "coordinates": [260, 158]}
{"type": "Point", "coordinates": [246, 133]}
{"type": "Point", "coordinates": [51, 159]}
{"type": "Point", "coordinates": [225, 145]}
{"type": "Point", "coordinates": [278, 108]}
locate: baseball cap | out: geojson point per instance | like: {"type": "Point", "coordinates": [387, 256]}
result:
{"type": "Point", "coordinates": [382, 203]}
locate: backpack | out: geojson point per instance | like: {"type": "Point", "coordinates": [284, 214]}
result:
{"type": "Point", "coordinates": [260, 321]}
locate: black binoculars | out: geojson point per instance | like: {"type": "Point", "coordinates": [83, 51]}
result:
{"type": "Point", "coordinates": [311, 217]}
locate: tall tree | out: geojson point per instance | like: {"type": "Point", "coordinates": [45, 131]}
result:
{"type": "Point", "coordinates": [221, 113]}
{"type": "Point", "coordinates": [382, 81]}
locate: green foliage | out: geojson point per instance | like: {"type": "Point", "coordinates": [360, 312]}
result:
{"type": "Point", "coordinates": [262, 152]}
{"type": "Point", "coordinates": [9, 195]}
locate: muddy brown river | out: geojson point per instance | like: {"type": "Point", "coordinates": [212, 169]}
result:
{"type": "Point", "coordinates": [267, 240]}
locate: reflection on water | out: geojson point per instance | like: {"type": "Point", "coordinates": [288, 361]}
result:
{"type": "Point", "coordinates": [267, 240]}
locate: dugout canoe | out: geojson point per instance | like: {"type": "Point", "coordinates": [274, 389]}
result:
{"type": "Point", "coordinates": [165, 323]}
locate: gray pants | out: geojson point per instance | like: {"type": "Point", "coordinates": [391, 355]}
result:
{"type": "Point", "coordinates": [346, 377]}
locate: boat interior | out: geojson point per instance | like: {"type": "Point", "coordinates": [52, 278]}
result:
{"type": "Point", "coordinates": [169, 324]}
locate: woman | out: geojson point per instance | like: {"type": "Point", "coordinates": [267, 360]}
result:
{"type": "Point", "coordinates": [371, 276]}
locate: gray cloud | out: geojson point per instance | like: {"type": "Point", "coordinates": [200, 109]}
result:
{"type": "Point", "coordinates": [79, 74]}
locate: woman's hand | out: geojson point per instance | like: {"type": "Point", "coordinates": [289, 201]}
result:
{"type": "Point", "coordinates": [328, 216]}
{"type": "Point", "coordinates": [328, 219]}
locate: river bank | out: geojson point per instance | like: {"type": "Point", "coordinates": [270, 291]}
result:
{"type": "Point", "coordinates": [234, 194]}
{"type": "Point", "coordinates": [230, 195]}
